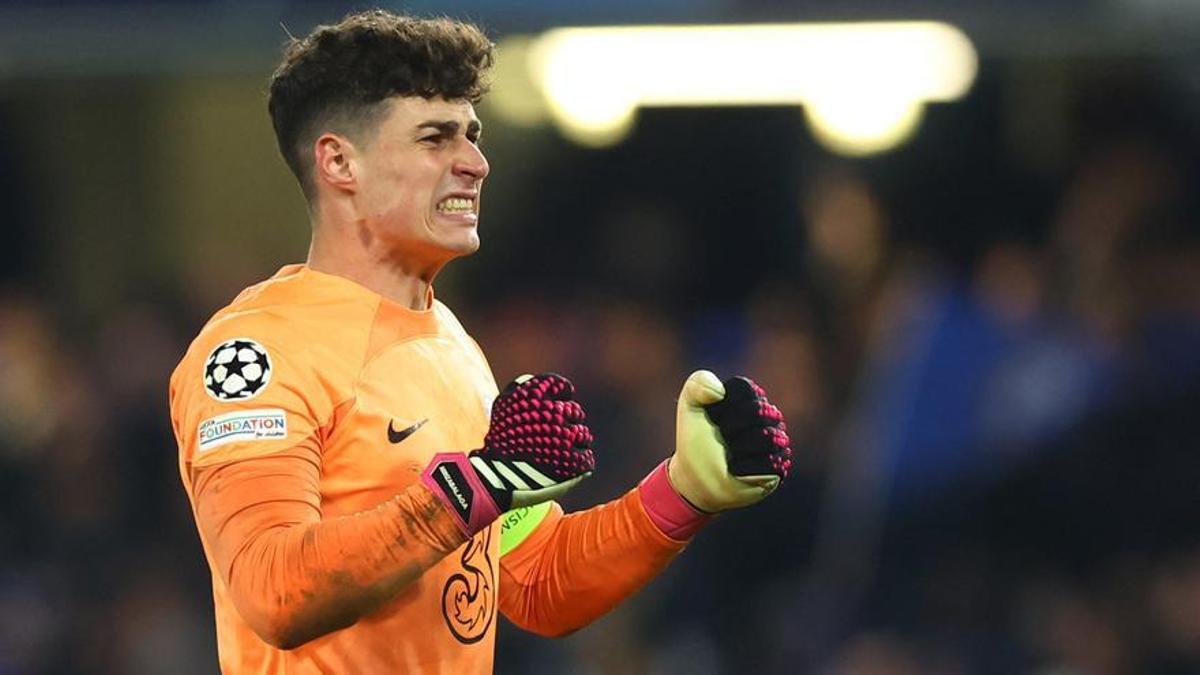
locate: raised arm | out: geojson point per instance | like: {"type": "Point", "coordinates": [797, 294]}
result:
{"type": "Point", "coordinates": [561, 572]}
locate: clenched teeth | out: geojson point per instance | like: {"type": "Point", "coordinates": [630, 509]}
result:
{"type": "Point", "coordinates": [456, 205]}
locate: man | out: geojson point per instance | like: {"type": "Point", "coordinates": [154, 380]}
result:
{"type": "Point", "coordinates": [365, 500]}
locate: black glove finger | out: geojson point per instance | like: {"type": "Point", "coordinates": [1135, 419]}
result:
{"type": "Point", "coordinates": [746, 414]}
{"type": "Point", "coordinates": [536, 411]}
{"type": "Point", "coordinates": [738, 391]}
{"type": "Point", "coordinates": [757, 441]}
{"type": "Point", "coordinates": [759, 465]}
{"type": "Point", "coordinates": [565, 462]}
{"type": "Point", "coordinates": [551, 386]}
{"type": "Point", "coordinates": [587, 461]}
{"type": "Point", "coordinates": [778, 465]}
{"type": "Point", "coordinates": [767, 451]}
{"type": "Point", "coordinates": [554, 387]}
{"type": "Point", "coordinates": [559, 465]}
{"type": "Point", "coordinates": [515, 384]}
{"type": "Point", "coordinates": [582, 436]}
{"type": "Point", "coordinates": [571, 411]}
{"type": "Point", "coordinates": [526, 436]}
{"type": "Point", "coordinates": [769, 412]}
{"type": "Point", "coordinates": [743, 397]}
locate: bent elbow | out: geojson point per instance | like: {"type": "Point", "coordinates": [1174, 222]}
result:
{"type": "Point", "coordinates": [556, 632]}
{"type": "Point", "coordinates": [550, 629]}
{"type": "Point", "coordinates": [287, 640]}
{"type": "Point", "coordinates": [279, 632]}
{"type": "Point", "coordinates": [281, 628]}
{"type": "Point", "coordinates": [287, 628]}
{"type": "Point", "coordinates": [550, 620]}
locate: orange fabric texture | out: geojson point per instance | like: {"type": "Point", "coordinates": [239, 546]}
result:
{"type": "Point", "coordinates": [293, 577]}
{"type": "Point", "coordinates": [307, 496]}
{"type": "Point", "coordinates": [576, 567]}
{"type": "Point", "coordinates": [309, 514]}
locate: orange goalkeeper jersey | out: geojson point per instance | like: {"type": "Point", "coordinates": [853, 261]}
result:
{"type": "Point", "coordinates": [305, 412]}
{"type": "Point", "coordinates": [306, 357]}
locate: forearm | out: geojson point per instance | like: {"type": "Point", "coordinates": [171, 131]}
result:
{"type": "Point", "coordinates": [303, 581]}
{"type": "Point", "coordinates": [294, 576]}
{"type": "Point", "coordinates": [575, 568]}
{"type": "Point", "coordinates": [732, 450]}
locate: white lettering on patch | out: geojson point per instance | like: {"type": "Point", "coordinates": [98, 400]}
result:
{"type": "Point", "coordinates": [245, 425]}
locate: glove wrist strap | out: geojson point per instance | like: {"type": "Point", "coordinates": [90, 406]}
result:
{"type": "Point", "coordinates": [668, 510]}
{"type": "Point", "coordinates": [451, 477]}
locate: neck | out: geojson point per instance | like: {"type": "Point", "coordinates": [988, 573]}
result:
{"type": "Point", "coordinates": [352, 251]}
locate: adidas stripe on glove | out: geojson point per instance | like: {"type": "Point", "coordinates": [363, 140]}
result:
{"type": "Point", "coordinates": [731, 443]}
{"type": "Point", "coordinates": [536, 448]}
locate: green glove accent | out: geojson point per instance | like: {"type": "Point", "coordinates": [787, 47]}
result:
{"type": "Point", "coordinates": [518, 524]}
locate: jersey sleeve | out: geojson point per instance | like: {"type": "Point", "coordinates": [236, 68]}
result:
{"type": "Point", "coordinates": [251, 451]}
{"type": "Point", "coordinates": [245, 395]}
{"type": "Point", "coordinates": [566, 570]}
{"type": "Point", "coordinates": [294, 576]}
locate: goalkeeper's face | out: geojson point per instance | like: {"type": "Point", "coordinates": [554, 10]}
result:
{"type": "Point", "coordinates": [420, 179]}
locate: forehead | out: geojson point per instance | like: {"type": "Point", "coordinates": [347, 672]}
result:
{"type": "Point", "coordinates": [408, 112]}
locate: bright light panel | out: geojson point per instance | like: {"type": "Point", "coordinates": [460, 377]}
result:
{"type": "Point", "coordinates": [863, 84]}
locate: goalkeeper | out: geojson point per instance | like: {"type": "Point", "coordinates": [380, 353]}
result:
{"type": "Point", "coordinates": [366, 499]}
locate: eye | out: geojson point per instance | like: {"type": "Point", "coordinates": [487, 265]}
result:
{"type": "Point", "coordinates": [434, 139]}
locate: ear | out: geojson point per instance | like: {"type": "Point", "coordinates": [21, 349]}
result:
{"type": "Point", "coordinates": [335, 162]}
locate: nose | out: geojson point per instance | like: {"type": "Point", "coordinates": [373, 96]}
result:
{"type": "Point", "coordinates": [471, 163]}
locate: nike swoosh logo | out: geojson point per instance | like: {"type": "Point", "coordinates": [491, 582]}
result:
{"type": "Point", "coordinates": [396, 436]}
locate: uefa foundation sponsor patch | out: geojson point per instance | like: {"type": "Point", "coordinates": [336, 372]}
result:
{"type": "Point", "coordinates": [245, 425]}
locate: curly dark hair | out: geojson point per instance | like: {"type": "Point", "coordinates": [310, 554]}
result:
{"type": "Point", "coordinates": [339, 76]}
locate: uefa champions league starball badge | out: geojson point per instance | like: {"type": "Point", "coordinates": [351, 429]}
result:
{"type": "Point", "coordinates": [237, 370]}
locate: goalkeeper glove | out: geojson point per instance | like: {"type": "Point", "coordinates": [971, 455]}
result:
{"type": "Point", "coordinates": [536, 448]}
{"type": "Point", "coordinates": [731, 443]}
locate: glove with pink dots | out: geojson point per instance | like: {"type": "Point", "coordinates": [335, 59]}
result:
{"type": "Point", "coordinates": [536, 449]}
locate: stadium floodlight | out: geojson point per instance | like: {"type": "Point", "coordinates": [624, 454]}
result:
{"type": "Point", "coordinates": [863, 85]}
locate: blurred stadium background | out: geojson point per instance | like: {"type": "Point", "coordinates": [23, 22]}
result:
{"type": "Point", "coordinates": [986, 338]}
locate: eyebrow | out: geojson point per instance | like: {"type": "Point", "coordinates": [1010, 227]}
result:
{"type": "Point", "coordinates": [451, 127]}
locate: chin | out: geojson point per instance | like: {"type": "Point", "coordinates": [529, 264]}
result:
{"type": "Point", "coordinates": [466, 246]}
{"type": "Point", "coordinates": [473, 240]}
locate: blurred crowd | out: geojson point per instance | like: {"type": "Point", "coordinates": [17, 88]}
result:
{"type": "Point", "coordinates": [997, 468]}
{"type": "Point", "coordinates": [997, 455]}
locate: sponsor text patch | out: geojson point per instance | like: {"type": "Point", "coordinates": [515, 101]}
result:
{"type": "Point", "coordinates": [243, 425]}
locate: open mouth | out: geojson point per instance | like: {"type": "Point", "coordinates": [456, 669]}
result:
{"type": "Point", "coordinates": [456, 205]}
